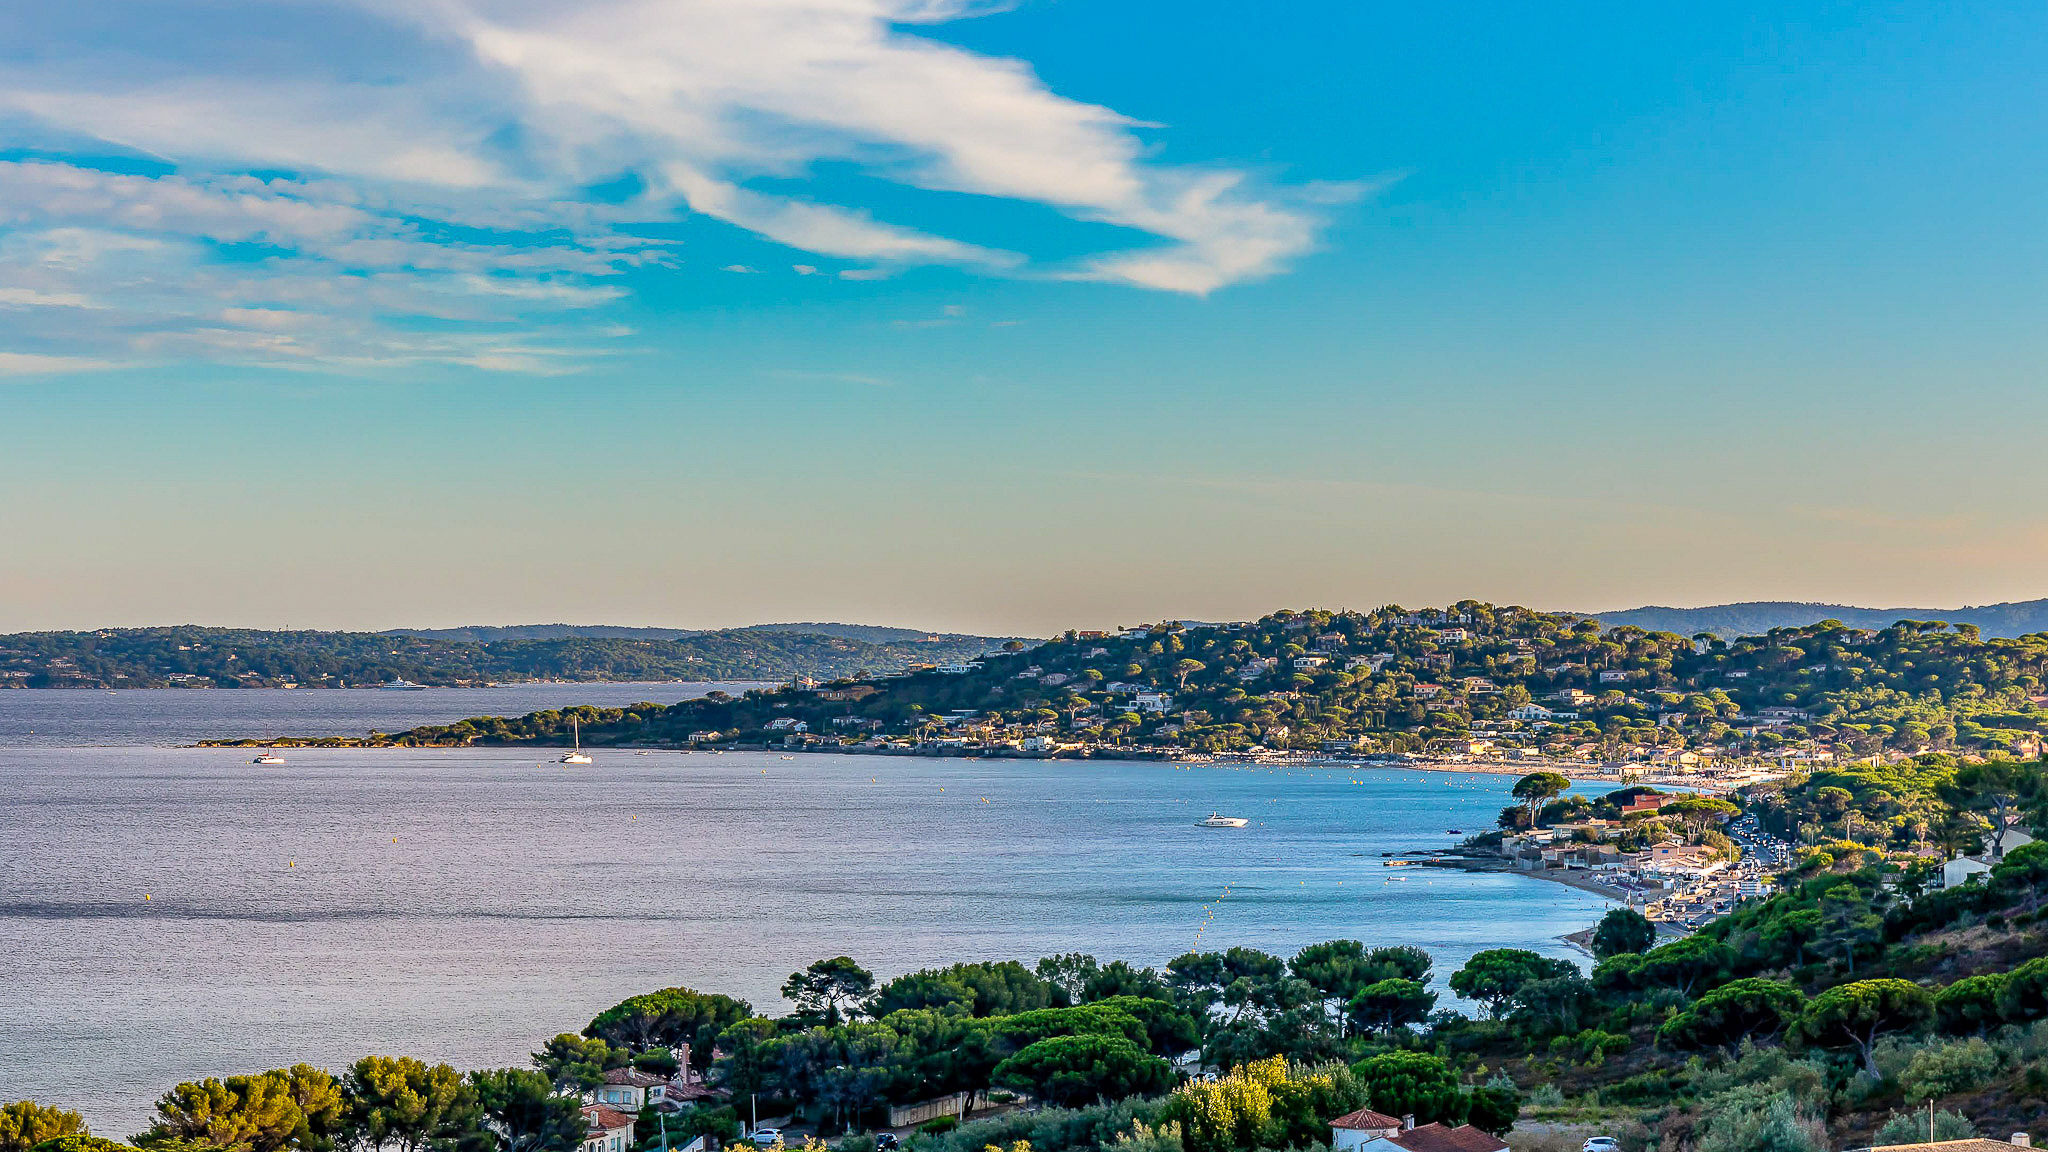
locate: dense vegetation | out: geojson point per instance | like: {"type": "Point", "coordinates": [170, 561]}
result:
{"type": "Point", "coordinates": [247, 658]}
{"type": "Point", "coordinates": [1398, 681]}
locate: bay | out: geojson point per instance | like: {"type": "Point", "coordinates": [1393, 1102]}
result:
{"type": "Point", "coordinates": [168, 913]}
{"type": "Point", "coordinates": [58, 717]}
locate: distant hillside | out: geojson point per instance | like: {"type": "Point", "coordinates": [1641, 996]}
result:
{"type": "Point", "coordinates": [1728, 621]}
{"type": "Point", "coordinates": [867, 633]}
{"type": "Point", "coordinates": [492, 633]}
{"type": "Point", "coordinates": [194, 657]}
{"type": "Point", "coordinates": [1462, 680]}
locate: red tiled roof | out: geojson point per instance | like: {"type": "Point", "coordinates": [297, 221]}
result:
{"type": "Point", "coordinates": [1979, 1144]}
{"type": "Point", "coordinates": [1437, 1138]}
{"type": "Point", "coordinates": [598, 1118]}
{"type": "Point", "coordinates": [1365, 1119]}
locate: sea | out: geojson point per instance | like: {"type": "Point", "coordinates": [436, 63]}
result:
{"type": "Point", "coordinates": [169, 912]}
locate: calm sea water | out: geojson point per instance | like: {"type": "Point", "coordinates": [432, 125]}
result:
{"type": "Point", "coordinates": [168, 913]}
{"type": "Point", "coordinates": [60, 717]}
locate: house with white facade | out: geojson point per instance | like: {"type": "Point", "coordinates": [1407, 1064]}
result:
{"type": "Point", "coordinates": [1964, 869]}
{"type": "Point", "coordinates": [606, 1129]}
{"type": "Point", "coordinates": [628, 1090]}
{"type": "Point", "coordinates": [1353, 1129]}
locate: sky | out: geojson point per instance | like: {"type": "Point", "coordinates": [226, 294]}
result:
{"type": "Point", "coordinates": [1012, 317]}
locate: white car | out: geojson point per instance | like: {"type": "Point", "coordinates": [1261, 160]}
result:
{"type": "Point", "coordinates": [769, 1137]}
{"type": "Point", "coordinates": [1602, 1144]}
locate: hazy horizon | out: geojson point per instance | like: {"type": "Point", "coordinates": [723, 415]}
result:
{"type": "Point", "coordinates": [922, 626]}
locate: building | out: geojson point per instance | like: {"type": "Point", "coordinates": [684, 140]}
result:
{"type": "Point", "coordinates": [1964, 869]}
{"type": "Point", "coordinates": [1612, 677]}
{"type": "Point", "coordinates": [1154, 702]}
{"type": "Point", "coordinates": [1644, 803]}
{"type": "Point", "coordinates": [852, 692]}
{"type": "Point", "coordinates": [606, 1129]}
{"type": "Point", "coordinates": [961, 668]}
{"type": "Point", "coordinates": [1353, 1129]}
{"type": "Point", "coordinates": [1978, 1144]}
{"type": "Point", "coordinates": [1409, 1137]}
{"type": "Point", "coordinates": [628, 1090]}
{"type": "Point", "coordinates": [1678, 862]}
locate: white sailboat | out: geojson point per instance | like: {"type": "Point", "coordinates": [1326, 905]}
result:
{"type": "Point", "coordinates": [576, 755]}
{"type": "Point", "coordinates": [267, 758]}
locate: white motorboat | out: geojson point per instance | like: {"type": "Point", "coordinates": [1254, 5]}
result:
{"type": "Point", "coordinates": [576, 755]}
{"type": "Point", "coordinates": [1217, 821]}
{"type": "Point", "coordinates": [267, 758]}
{"type": "Point", "coordinates": [400, 684]}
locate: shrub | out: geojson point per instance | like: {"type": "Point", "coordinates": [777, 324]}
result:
{"type": "Point", "coordinates": [1945, 1069]}
{"type": "Point", "coordinates": [1911, 1128]}
{"type": "Point", "coordinates": [1047, 1130]}
{"type": "Point", "coordinates": [1643, 1090]}
{"type": "Point", "coordinates": [25, 1123]}
{"type": "Point", "coordinates": [1546, 1095]}
{"type": "Point", "coordinates": [1777, 1124]}
{"type": "Point", "coordinates": [939, 1126]}
{"type": "Point", "coordinates": [1144, 1137]}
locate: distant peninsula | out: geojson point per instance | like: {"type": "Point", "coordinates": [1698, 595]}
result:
{"type": "Point", "coordinates": [1754, 618]}
{"type": "Point", "coordinates": [196, 657]}
{"type": "Point", "coordinates": [1471, 681]}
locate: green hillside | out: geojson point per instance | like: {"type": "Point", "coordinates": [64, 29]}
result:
{"type": "Point", "coordinates": [247, 658]}
{"type": "Point", "coordinates": [1397, 681]}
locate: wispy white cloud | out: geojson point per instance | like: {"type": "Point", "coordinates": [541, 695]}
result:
{"type": "Point", "coordinates": [439, 154]}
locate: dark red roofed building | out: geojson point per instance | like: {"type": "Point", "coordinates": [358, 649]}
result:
{"type": "Point", "coordinates": [1369, 1131]}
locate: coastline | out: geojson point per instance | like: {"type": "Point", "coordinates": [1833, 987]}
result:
{"type": "Point", "coordinates": [1577, 773]}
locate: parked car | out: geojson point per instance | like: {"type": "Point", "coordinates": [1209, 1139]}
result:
{"type": "Point", "coordinates": [769, 1137]}
{"type": "Point", "coordinates": [1602, 1144]}
{"type": "Point", "coordinates": [887, 1142]}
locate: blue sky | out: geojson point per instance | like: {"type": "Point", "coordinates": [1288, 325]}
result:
{"type": "Point", "coordinates": [1011, 317]}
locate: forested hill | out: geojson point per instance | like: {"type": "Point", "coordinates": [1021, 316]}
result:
{"type": "Point", "coordinates": [1436, 680]}
{"type": "Point", "coordinates": [197, 657]}
{"type": "Point", "coordinates": [868, 633]}
{"type": "Point", "coordinates": [1755, 618]}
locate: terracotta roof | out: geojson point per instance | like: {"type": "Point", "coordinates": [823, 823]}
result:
{"type": "Point", "coordinates": [597, 1117]}
{"type": "Point", "coordinates": [1365, 1119]}
{"type": "Point", "coordinates": [632, 1077]}
{"type": "Point", "coordinates": [1977, 1145]}
{"type": "Point", "coordinates": [1437, 1138]}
